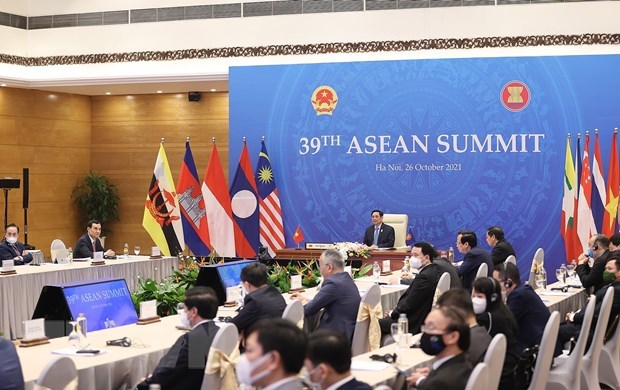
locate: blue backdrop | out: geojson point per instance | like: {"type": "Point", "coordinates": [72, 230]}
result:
{"type": "Point", "coordinates": [439, 140]}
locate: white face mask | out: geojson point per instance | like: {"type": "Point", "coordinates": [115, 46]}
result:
{"type": "Point", "coordinates": [414, 262]}
{"type": "Point", "coordinates": [184, 320]}
{"type": "Point", "coordinates": [11, 240]}
{"type": "Point", "coordinates": [309, 382]}
{"type": "Point", "coordinates": [245, 368]}
{"type": "Point", "coordinates": [480, 304]}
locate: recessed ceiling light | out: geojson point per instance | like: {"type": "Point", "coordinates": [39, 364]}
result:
{"type": "Point", "coordinates": [3, 85]}
{"type": "Point", "coordinates": [213, 89]}
{"type": "Point", "coordinates": [160, 91]}
{"type": "Point", "coordinates": [108, 93]}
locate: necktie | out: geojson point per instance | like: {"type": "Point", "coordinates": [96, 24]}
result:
{"type": "Point", "coordinates": [94, 248]}
{"type": "Point", "coordinates": [15, 249]}
{"type": "Point", "coordinates": [375, 239]}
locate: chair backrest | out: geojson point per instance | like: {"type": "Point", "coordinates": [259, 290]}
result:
{"type": "Point", "coordinates": [479, 378]}
{"type": "Point", "coordinates": [594, 352]}
{"type": "Point", "coordinates": [511, 259]}
{"type": "Point", "coordinates": [360, 344]}
{"type": "Point", "coordinates": [539, 256]}
{"type": "Point", "coordinates": [58, 373]}
{"type": "Point", "coordinates": [294, 312]}
{"type": "Point", "coordinates": [537, 262]}
{"type": "Point", "coordinates": [494, 358]}
{"type": "Point", "coordinates": [613, 344]}
{"type": "Point", "coordinates": [58, 250]}
{"type": "Point", "coordinates": [443, 285]}
{"type": "Point", "coordinates": [399, 223]}
{"type": "Point", "coordinates": [225, 340]}
{"type": "Point", "coordinates": [575, 359]}
{"type": "Point", "coordinates": [483, 271]}
{"type": "Point", "coordinates": [545, 352]}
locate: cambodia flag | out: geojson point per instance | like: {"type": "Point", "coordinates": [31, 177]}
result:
{"type": "Point", "coordinates": [244, 202]}
{"type": "Point", "coordinates": [193, 214]}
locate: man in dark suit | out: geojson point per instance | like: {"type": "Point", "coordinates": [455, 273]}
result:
{"type": "Point", "coordinates": [182, 367]}
{"type": "Point", "coordinates": [338, 296]}
{"type": "Point", "coordinates": [446, 336]}
{"type": "Point", "coordinates": [261, 301]}
{"type": "Point", "coordinates": [417, 300]}
{"type": "Point", "coordinates": [11, 248]}
{"type": "Point", "coordinates": [614, 242]}
{"type": "Point", "coordinates": [89, 242]}
{"type": "Point", "coordinates": [328, 362]}
{"type": "Point", "coordinates": [598, 250]}
{"type": "Point", "coordinates": [379, 235]}
{"type": "Point", "coordinates": [10, 367]}
{"type": "Point", "coordinates": [526, 306]}
{"type": "Point", "coordinates": [467, 243]}
{"type": "Point", "coordinates": [501, 248]}
{"type": "Point", "coordinates": [443, 265]}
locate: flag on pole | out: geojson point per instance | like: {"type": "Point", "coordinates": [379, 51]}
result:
{"type": "Point", "coordinates": [299, 235]}
{"type": "Point", "coordinates": [217, 205]}
{"type": "Point", "coordinates": [567, 228]}
{"type": "Point", "coordinates": [578, 249]}
{"type": "Point", "coordinates": [162, 217]}
{"type": "Point", "coordinates": [599, 197]}
{"type": "Point", "coordinates": [244, 202]}
{"type": "Point", "coordinates": [271, 229]}
{"type": "Point", "coordinates": [193, 213]}
{"type": "Point", "coordinates": [613, 190]}
{"type": "Point", "coordinates": [410, 238]}
{"type": "Point", "coordinates": [585, 221]}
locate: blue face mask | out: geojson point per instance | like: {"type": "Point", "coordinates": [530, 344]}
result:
{"type": "Point", "coordinates": [590, 253]}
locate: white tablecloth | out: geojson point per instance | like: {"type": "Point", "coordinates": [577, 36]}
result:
{"type": "Point", "coordinates": [19, 293]}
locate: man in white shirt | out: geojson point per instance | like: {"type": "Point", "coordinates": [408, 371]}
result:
{"type": "Point", "coordinates": [274, 354]}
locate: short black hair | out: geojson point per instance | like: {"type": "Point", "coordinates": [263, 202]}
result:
{"type": "Point", "coordinates": [459, 298]}
{"type": "Point", "coordinates": [376, 211]}
{"type": "Point", "coordinates": [330, 347]}
{"type": "Point", "coordinates": [601, 240]}
{"type": "Point", "coordinates": [467, 236]}
{"type": "Point", "coordinates": [204, 300]}
{"type": "Point", "coordinates": [615, 255]}
{"type": "Point", "coordinates": [11, 225]}
{"type": "Point", "coordinates": [508, 271]}
{"type": "Point", "coordinates": [615, 239]}
{"type": "Point", "coordinates": [457, 322]}
{"type": "Point", "coordinates": [496, 232]}
{"type": "Point", "coordinates": [255, 274]}
{"type": "Point", "coordinates": [91, 222]}
{"type": "Point", "coordinates": [284, 337]}
{"type": "Point", "coordinates": [427, 249]}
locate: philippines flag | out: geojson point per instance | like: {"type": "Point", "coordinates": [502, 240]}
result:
{"type": "Point", "coordinates": [599, 196]}
{"type": "Point", "coordinates": [193, 213]}
{"type": "Point", "coordinates": [217, 205]}
{"type": "Point", "coordinates": [244, 202]}
{"type": "Point", "coordinates": [613, 190]}
{"type": "Point", "coordinates": [270, 214]}
{"type": "Point", "coordinates": [585, 227]}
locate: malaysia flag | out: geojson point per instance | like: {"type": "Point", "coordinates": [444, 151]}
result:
{"type": "Point", "coordinates": [193, 213]}
{"type": "Point", "coordinates": [270, 213]}
{"type": "Point", "coordinates": [244, 202]}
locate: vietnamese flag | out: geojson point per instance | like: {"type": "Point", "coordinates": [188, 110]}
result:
{"type": "Point", "coordinates": [299, 235]}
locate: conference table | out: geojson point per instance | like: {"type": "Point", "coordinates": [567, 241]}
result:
{"type": "Point", "coordinates": [19, 293]}
{"type": "Point", "coordinates": [396, 257]}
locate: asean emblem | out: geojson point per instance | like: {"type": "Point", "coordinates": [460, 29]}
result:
{"type": "Point", "coordinates": [515, 96]}
{"type": "Point", "coordinates": [324, 100]}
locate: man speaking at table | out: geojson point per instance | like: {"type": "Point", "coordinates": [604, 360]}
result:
{"type": "Point", "coordinates": [89, 242]}
{"type": "Point", "coordinates": [11, 248]}
{"type": "Point", "coordinates": [379, 235]}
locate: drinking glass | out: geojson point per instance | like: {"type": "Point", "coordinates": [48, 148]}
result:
{"type": "Point", "coordinates": [395, 332]}
{"type": "Point", "coordinates": [539, 281]}
{"type": "Point", "coordinates": [558, 274]}
{"type": "Point", "coordinates": [570, 270]}
{"type": "Point", "coordinates": [74, 337]}
{"type": "Point", "coordinates": [136, 250]}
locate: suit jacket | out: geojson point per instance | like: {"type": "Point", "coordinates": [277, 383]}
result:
{"type": "Point", "coordinates": [443, 265]}
{"type": "Point", "coordinates": [10, 367]}
{"type": "Point", "coordinates": [593, 277]}
{"type": "Point", "coordinates": [295, 384]}
{"type": "Point", "coordinates": [615, 309]}
{"type": "Point", "coordinates": [453, 374]}
{"type": "Point", "coordinates": [530, 313]}
{"type": "Point", "coordinates": [479, 342]}
{"type": "Point", "coordinates": [417, 300]}
{"type": "Point", "coordinates": [354, 384]}
{"type": "Point", "coordinates": [8, 252]}
{"type": "Point", "coordinates": [501, 251]}
{"type": "Point", "coordinates": [266, 302]}
{"type": "Point", "coordinates": [340, 299]}
{"type": "Point", "coordinates": [471, 262]}
{"type": "Point", "coordinates": [385, 239]}
{"type": "Point", "coordinates": [84, 247]}
{"type": "Point", "coordinates": [182, 367]}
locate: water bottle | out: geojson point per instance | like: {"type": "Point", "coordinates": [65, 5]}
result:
{"type": "Point", "coordinates": [70, 255]}
{"type": "Point", "coordinates": [403, 329]}
{"type": "Point", "coordinates": [82, 330]}
{"type": "Point", "coordinates": [376, 270]}
{"type": "Point", "coordinates": [405, 269]}
{"type": "Point", "coordinates": [451, 255]}
{"type": "Point", "coordinates": [126, 251]}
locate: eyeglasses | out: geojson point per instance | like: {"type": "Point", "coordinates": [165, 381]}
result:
{"type": "Point", "coordinates": [12, 234]}
{"type": "Point", "coordinates": [431, 329]}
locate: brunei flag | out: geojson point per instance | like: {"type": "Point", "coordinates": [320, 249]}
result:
{"type": "Point", "coordinates": [162, 216]}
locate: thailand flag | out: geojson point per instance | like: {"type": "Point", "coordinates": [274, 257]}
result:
{"type": "Point", "coordinates": [244, 202]}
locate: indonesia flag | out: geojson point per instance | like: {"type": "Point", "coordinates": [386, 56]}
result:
{"type": "Point", "coordinates": [270, 214]}
{"type": "Point", "coordinates": [613, 189]}
{"type": "Point", "coordinates": [244, 202]}
{"type": "Point", "coordinates": [585, 226]}
{"type": "Point", "coordinates": [217, 205]}
{"type": "Point", "coordinates": [193, 214]}
{"type": "Point", "coordinates": [599, 196]}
